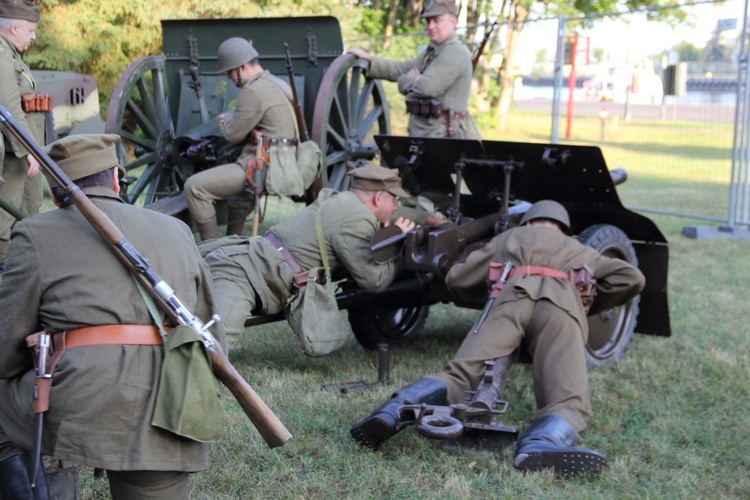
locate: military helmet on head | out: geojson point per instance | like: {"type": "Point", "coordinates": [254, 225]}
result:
{"type": "Point", "coordinates": [548, 209]}
{"type": "Point", "coordinates": [233, 53]}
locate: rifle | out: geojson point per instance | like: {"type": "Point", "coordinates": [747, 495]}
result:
{"type": "Point", "coordinates": [299, 113]}
{"type": "Point", "coordinates": [268, 425]}
{"type": "Point", "coordinates": [480, 50]}
{"type": "Point", "coordinates": [42, 386]}
{"type": "Point", "coordinates": [256, 179]}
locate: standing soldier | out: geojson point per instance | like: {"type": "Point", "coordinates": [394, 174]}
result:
{"type": "Point", "coordinates": [20, 181]}
{"type": "Point", "coordinates": [264, 117]}
{"type": "Point", "coordinates": [437, 84]}
{"type": "Point", "coordinates": [62, 277]}
{"type": "Point", "coordinates": [539, 305]}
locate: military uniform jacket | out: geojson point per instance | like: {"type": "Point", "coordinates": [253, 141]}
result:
{"type": "Point", "coordinates": [16, 79]}
{"type": "Point", "coordinates": [262, 104]}
{"type": "Point", "coordinates": [61, 275]}
{"type": "Point", "coordinates": [446, 76]}
{"type": "Point", "coordinates": [348, 226]}
{"type": "Point", "coordinates": [617, 281]}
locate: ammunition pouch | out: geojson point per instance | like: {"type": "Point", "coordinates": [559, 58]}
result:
{"type": "Point", "coordinates": [36, 103]}
{"type": "Point", "coordinates": [585, 284]}
{"type": "Point", "coordinates": [428, 108]}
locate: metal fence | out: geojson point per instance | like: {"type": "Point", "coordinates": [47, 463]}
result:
{"type": "Point", "coordinates": [685, 154]}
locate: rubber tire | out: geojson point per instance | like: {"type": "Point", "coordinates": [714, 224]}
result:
{"type": "Point", "coordinates": [373, 324]}
{"type": "Point", "coordinates": [609, 341]}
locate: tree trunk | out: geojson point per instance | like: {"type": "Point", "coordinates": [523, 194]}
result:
{"type": "Point", "coordinates": [508, 65]}
{"type": "Point", "coordinates": [389, 23]}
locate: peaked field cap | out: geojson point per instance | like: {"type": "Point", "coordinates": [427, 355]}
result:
{"type": "Point", "coordinates": [373, 178]}
{"type": "Point", "coordinates": [437, 7]}
{"type": "Point", "coordinates": [19, 9]}
{"type": "Point", "coordinates": [82, 155]}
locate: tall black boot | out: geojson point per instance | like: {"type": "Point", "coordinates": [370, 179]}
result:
{"type": "Point", "coordinates": [382, 423]}
{"type": "Point", "coordinates": [15, 480]}
{"type": "Point", "coordinates": [547, 445]}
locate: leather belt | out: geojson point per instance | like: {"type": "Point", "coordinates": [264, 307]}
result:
{"type": "Point", "coordinates": [300, 276]}
{"type": "Point", "coordinates": [280, 142]}
{"type": "Point", "coordinates": [111, 334]}
{"type": "Point", "coordinates": [538, 271]}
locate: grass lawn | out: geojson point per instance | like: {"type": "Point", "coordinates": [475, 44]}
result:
{"type": "Point", "coordinates": [672, 416]}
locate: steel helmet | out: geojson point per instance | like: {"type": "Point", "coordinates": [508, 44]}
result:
{"type": "Point", "coordinates": [233, 53]}
{"type": "Point", "coordinates": [548, 209]}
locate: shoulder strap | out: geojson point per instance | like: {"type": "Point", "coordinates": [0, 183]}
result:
{"type": "Point", "coordinates": [321, 240]}
{"type": "Point", "coordinates": [289, 104]}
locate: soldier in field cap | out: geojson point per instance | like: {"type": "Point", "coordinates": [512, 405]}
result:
{"type": "Point", "coordinates": [437, 83]}
{"type": "Point", "coordinates": [20, 181]}
{"type": "Point", "coordinates": [257, 274]}
{"type": "Point", "coordinates": [62, 277]}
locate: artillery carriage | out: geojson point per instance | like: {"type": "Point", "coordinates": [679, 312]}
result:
{"type": "Point", "coordinates": [163, 106]}
{"type": "Point", "coordinates": [484, 187]}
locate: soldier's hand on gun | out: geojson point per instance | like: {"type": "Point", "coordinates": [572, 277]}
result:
{"type": "Point", "coordinates": [404, 224]}
{"type": "Point", "coordinates": [361, 53]}
{"type": "Point", "coordinates": [33, 165]}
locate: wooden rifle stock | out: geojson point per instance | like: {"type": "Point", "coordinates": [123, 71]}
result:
{"type": "Point", "coordinates": [303, 133]}
{"type": "Point", "coordinates": [268, 425]}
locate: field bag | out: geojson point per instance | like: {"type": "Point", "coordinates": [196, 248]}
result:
{"type": "Point", "coordinates": [187, 399]}
{"type": "Point", "coordinates": [312, 312]}
{"type": "Point", "coordinates": [290, 172]}
{"type": "Point", "coordinates": [283, 175]}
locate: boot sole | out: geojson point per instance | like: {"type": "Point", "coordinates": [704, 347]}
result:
{"type": "Point", "coordinates": [564, 463]}
{"type": "Point", "coordinates": [371, 433]}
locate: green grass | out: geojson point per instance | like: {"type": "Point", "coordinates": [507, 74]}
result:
{"type": "Point", "coordinates": [671, 416]}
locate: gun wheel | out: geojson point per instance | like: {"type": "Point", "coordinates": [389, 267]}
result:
{"type": "Point", "coordinates": [610, 331]}
{"type": "Point", "coordinates": [139, 113]}
{"type": "Point", "coordinates": [375, 323]}
{"type": "Point", "coordinates": [350, 110]}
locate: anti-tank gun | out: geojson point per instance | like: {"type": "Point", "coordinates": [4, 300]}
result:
{"type": "Point", "coordinates": [484, 188]}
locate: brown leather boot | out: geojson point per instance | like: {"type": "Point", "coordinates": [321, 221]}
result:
{"type": "Point", "coordinates": [236, 215]}
{"type": "Point", "coordinates": [208, 230]}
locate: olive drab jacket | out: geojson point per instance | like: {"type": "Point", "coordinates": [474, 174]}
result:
{"type": "Point", "coordinates": [348, 226]}
{"type": "Point", "coordinates": [261, 104]}
{"type": "Point", "coordinates": [446, 76]}
{"type": "Point", "coordinates": [15, 80]}
{"type": "Point", "coordinates": [617, 281]}
{"type": "Point", "coordinates": [61, 275]}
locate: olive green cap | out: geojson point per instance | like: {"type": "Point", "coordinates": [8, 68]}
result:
{"type": "Point", "coordinates": [82, 155]}
{"type": "Point", "coordinates": [437, 7]}
{"type": "Point", "coordinates": [373, 178]}
{"type": "Point", "coordinates": [19, 9]}
{"type": "Point", "coordinates": [548, 209]}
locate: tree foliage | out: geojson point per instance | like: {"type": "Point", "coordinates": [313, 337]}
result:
{"type": "Point", "coordinates": [101, 37]}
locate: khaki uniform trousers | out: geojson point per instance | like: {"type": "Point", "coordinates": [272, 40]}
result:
{"type": "Point", "coordinates": [555, 340]}
{"type": "Point", "coordinates": [235, 298]}
{"type": "Point", "coordinates": [21, 191]}
{"type": "Point", "coordinates": [217, 183]}
{"type": "Point", "coordinates": [148, 485]}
